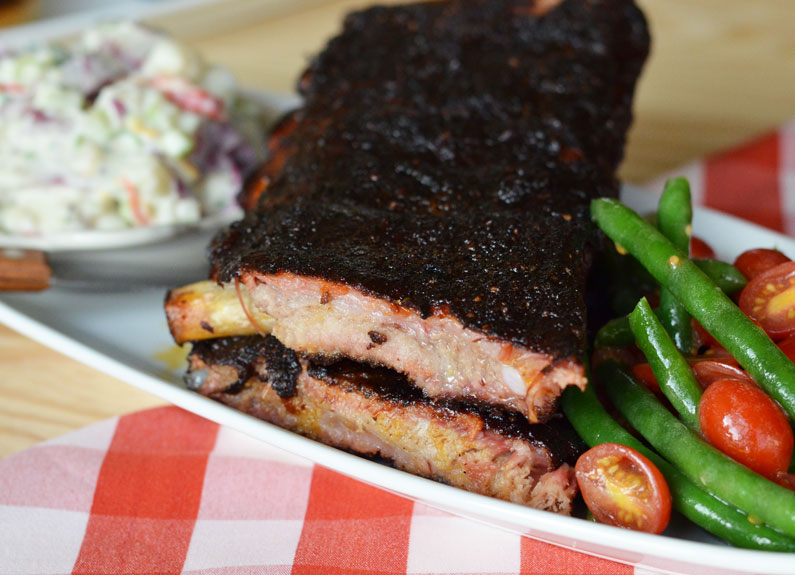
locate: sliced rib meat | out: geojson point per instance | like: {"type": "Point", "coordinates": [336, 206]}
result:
{"type": "Point", "coordinates": [375, 412]}
{"type": "Point", "coordinates": [437, 353]}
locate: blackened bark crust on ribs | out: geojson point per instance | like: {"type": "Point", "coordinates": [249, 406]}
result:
{"type": "Point", "coordinates": [445, 158]}
{"type": "Point", "coordinates": [242, 353]}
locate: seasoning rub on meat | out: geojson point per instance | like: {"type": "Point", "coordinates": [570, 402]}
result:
{"type": "Point", "coordinates": [427, 208]}
{"type": "Point", "coordinates": [408, 281]}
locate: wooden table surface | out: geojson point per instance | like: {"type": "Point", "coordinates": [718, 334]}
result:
{"type": "Point", "coordinates": [721, 71]}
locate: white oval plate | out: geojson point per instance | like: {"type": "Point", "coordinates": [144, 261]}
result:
{"type": "Point", "coordinates": [121, 334]}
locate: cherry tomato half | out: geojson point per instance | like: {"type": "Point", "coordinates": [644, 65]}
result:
{"type": "Point", "coordinates": [699, 249]}
{"type": "Point", "coordinates": [769, 299]}
{"type": "Point", "coordinates": [751, 263]}
{"type": "Point", "coordinates": [621, 487]}
{"type": "Point", "coordinates": [708, 371]}
{"type": "Point", "coordinates": [747, 425]}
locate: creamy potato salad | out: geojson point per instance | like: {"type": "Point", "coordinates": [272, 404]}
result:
{"type": "Point", "coordinates": [124, 127]}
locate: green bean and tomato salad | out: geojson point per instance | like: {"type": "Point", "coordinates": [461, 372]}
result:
{"type": "Point", "coordinates": [698, 368]}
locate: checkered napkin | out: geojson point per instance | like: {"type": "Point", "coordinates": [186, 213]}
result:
{"type": "Point", "coordinates": [755, 182]}
{"type": "Point", "coordinates": [165, 491]}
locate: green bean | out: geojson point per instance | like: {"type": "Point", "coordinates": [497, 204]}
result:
{"type": "Point", "coordinates": [616, 332]}
{"type": "Point", "coordinates": [727, 277]}
{"type": "Point", "coordinates": [628, 281]}
{"type": "Point", "coordinates": [596, 426]}
{"type": "Point", "coordinates": [674, 218]}
{"type": "Point", "coordinates": [677, 380]}
{"type": "Point", "coordinates": [749, 345]}
{"type": "Point", "coordinates": [675, 213]}
{"type": "Point", "coordinates": [703, 464]}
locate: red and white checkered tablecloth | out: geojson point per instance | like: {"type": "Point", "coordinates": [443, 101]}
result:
{"type": "Point", "coordinates": [165, 491]}
{"type": "Point", "coordinates": [755, 182]}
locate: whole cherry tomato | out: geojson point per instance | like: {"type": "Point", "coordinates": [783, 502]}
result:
{"type": "Point", "coordinates": [747, 425]}
{"type": "Point", "coordinates": [751, 263]}
{"type": "Point", "coordinates": [699, 249]}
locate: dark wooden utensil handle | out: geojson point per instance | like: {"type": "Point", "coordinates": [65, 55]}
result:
{"type": "Point", "coordinates": [23, 270]}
